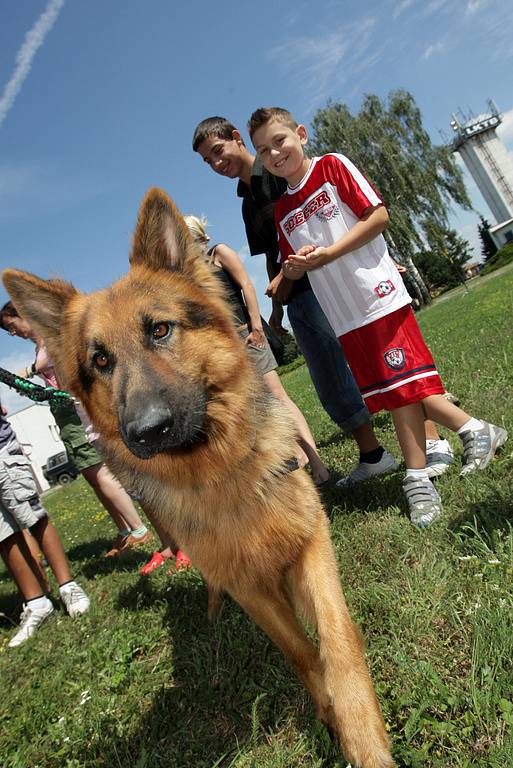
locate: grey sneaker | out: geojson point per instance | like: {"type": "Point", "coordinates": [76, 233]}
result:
{"type": "Point", "coordinates": [480, 446]}
{"type": "Point", "coordinates": [30, 620]}
{"type": "Point", "coordinates": [439, 457]}
{"type": "Point", "coordinates": [423, 501]}
{"type": "Point", "coordinates": [75, 599]}
{"type": "Point", "coordinates": [364, 470]}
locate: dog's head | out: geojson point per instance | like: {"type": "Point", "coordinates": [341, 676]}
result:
{"type": "Point", "coordinates": [155, 358]}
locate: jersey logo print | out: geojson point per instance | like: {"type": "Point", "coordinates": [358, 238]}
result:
{"type": "Point", "coordinates": [302, 215]}
{"type": "Point", "coordinates": [384, 288]}
{"type": "Point", "coordinates": [328, 213]}
{"type": "Point", "coordinates": [395, 359]}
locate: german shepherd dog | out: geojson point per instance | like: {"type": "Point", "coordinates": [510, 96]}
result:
{"type": "Point", "coordinates": [185, 421]}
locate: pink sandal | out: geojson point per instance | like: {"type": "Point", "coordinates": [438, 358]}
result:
{"type": "Point", "coordinates": [182, 563]}
{"type": "Point", "coordinates": [157, 559]}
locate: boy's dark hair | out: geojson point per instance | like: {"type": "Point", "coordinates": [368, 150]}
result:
{"type": "Point", "coordinates": [216, 126]}
{"type": "Point", "coordinates": [10, 311]}
{"type": "Point", "coordinates": [264, 115]}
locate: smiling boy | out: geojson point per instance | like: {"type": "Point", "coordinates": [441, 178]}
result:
{"type": "Point", "coordinates": [221, 146]}
{"type": "Point", "coordinates": [330, 222]}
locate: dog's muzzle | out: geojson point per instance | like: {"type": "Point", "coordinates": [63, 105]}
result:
{"type": "Point", "coordinates": [151, 424]}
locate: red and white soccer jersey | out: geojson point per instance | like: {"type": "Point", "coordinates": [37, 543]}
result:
{"type": "Point", "coordinates": [362, 286]}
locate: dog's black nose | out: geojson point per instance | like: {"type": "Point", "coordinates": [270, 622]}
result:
{"type": "Point", "coordinates": [152, 424]}
{"type": "Point", "coordinates": [151, 429]}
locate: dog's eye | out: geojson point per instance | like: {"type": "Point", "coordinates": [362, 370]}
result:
{"type": "Point", "coordinates": [101, 360]}
{"type": "Point", "coordinates": [160, 330]}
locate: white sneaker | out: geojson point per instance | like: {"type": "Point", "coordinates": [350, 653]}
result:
{"type": "Point", "coordinates": [480, 446]}
{"type": "Point", "coordinates": [364, 470]}
{"type": "Point", "coordinates": [423, 501]}
{"type": "Point", "coordinates": [30, 620]}
{"type": "Point", "coordinates": [75, 599]}
{"type": "Point", "coordinates": [439, 457]}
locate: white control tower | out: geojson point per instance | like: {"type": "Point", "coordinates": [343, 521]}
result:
{"type": "Point", "coordinates": [490, 165]}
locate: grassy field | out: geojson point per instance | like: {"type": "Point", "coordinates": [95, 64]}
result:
{"type": "Point", "coordinates": [143, 681]}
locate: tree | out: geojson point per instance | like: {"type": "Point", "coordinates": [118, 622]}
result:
{"type": "Point", "coordinates": [290, 348]}
{"type": "Point", "coordinates": [417, 180]}
{"type": "Point", "coordinates": [488, 247]}
{"type": "Point", "coordinates": [284, 348]}
{"type": "Point", "coordinates": [444, 264]}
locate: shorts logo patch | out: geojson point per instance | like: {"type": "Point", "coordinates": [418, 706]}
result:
{"type": "Point", "coordinates": [394, 358]}
{"type": "Point", "coordinates": [384, 288]}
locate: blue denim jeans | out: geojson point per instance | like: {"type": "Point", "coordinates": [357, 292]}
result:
{"type": "Point", "coordinates": [326, 362]}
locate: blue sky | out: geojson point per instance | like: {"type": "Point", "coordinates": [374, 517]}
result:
{"type": "Point", "coordinates": [98, 102]}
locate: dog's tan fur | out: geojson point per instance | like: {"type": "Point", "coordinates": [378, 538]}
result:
{"type": "Point", "coordinates": [255, 530]}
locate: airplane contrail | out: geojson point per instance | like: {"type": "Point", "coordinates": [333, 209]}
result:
{"type": "Point", "coordinates": [34, 39]}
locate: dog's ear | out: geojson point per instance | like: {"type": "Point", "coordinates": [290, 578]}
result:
{"type": "Point", "coordinates": [40, 302]}
{"type": "Point", "coordinates": [161, 239]}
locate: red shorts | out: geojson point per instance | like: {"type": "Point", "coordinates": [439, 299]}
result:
{"type": "Point", "coordinates": [391, 362]}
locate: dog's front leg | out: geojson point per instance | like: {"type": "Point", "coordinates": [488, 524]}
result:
{"type": "Point", "coordinates": [354, 714]}
{"type": "Point", "coordinates": [215, 603]}
{"type": "Point", "coordinates": [272, 611]}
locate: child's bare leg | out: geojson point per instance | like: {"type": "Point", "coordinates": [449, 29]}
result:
{"type": "Point", "coordinates": [169, 545]}
{"type": "Point", "coordinates": [423, 500]}
{"type": "Point", "coordinates": [113, 496]}
{"type": "Point", "coordinates": [307, 443]}
{"type": "Point", "coordinates": [36, 554]}
{"type": "Point", "coordinates": [22, 566]}
{"type": "Point", "coordinates": [50, 544]}
{"type": "Point", "coordinates": [365, 438]}
{"type": "Point", "coordinates": [409, 427]}
{"type": "Point", "coordinates": [431, 430]}
{"type": "Point", "coordinates": [447, 414]}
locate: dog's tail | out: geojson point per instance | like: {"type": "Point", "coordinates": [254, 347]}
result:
{"type": "Point", "coordinates": [353, 712]}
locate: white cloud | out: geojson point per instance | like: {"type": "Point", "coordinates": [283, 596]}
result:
{"type": "Point", "coordinates": [344, 52]}
{"type": "Point", "coordinates": [431, 50]}
{"type": "Point", "coordinates": [475, 5]}
{"type": "Point", "coordinates": [437, 5]}
{"type": "Point", "coordinates": [401, 6]}
{"type": "Point", "coordinates": [34, 39]}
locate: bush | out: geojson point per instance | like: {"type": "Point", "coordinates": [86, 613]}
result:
{"type": "Point", "coordinates": [503, 256]}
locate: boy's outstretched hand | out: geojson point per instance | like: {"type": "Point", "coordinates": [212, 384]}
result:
{"type": "Point", "coordinates": [305, 260]}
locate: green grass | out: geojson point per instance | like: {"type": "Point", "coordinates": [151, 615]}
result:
{"type": "Point", "coordinates": [143, 681]}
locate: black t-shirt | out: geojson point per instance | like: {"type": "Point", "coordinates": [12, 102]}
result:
{"type": "Point", "coordinates": [258, 213]}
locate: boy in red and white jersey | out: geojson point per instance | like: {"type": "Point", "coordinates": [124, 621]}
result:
{"type": "Point", "coordinates": [330, 222]}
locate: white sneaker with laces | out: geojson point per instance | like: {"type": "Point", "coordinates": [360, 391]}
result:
{"type": "Point", "coordinates": [30, 620]}
{"type": "Point", "coordinates": [439, 457]}
{"type": "Point", "coordinates": [364, 470]}
{"type": "Point", "coordinates": [75, 599]}
{"type": "Point", "coordinates": [480, 446]}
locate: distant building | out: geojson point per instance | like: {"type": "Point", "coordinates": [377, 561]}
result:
{"type": "Point", "coordinates": [472, 270]}
{"type": "Point", "coordinates": [38, 434]}
{"type": "Point", "coordinates": [490, 165]}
